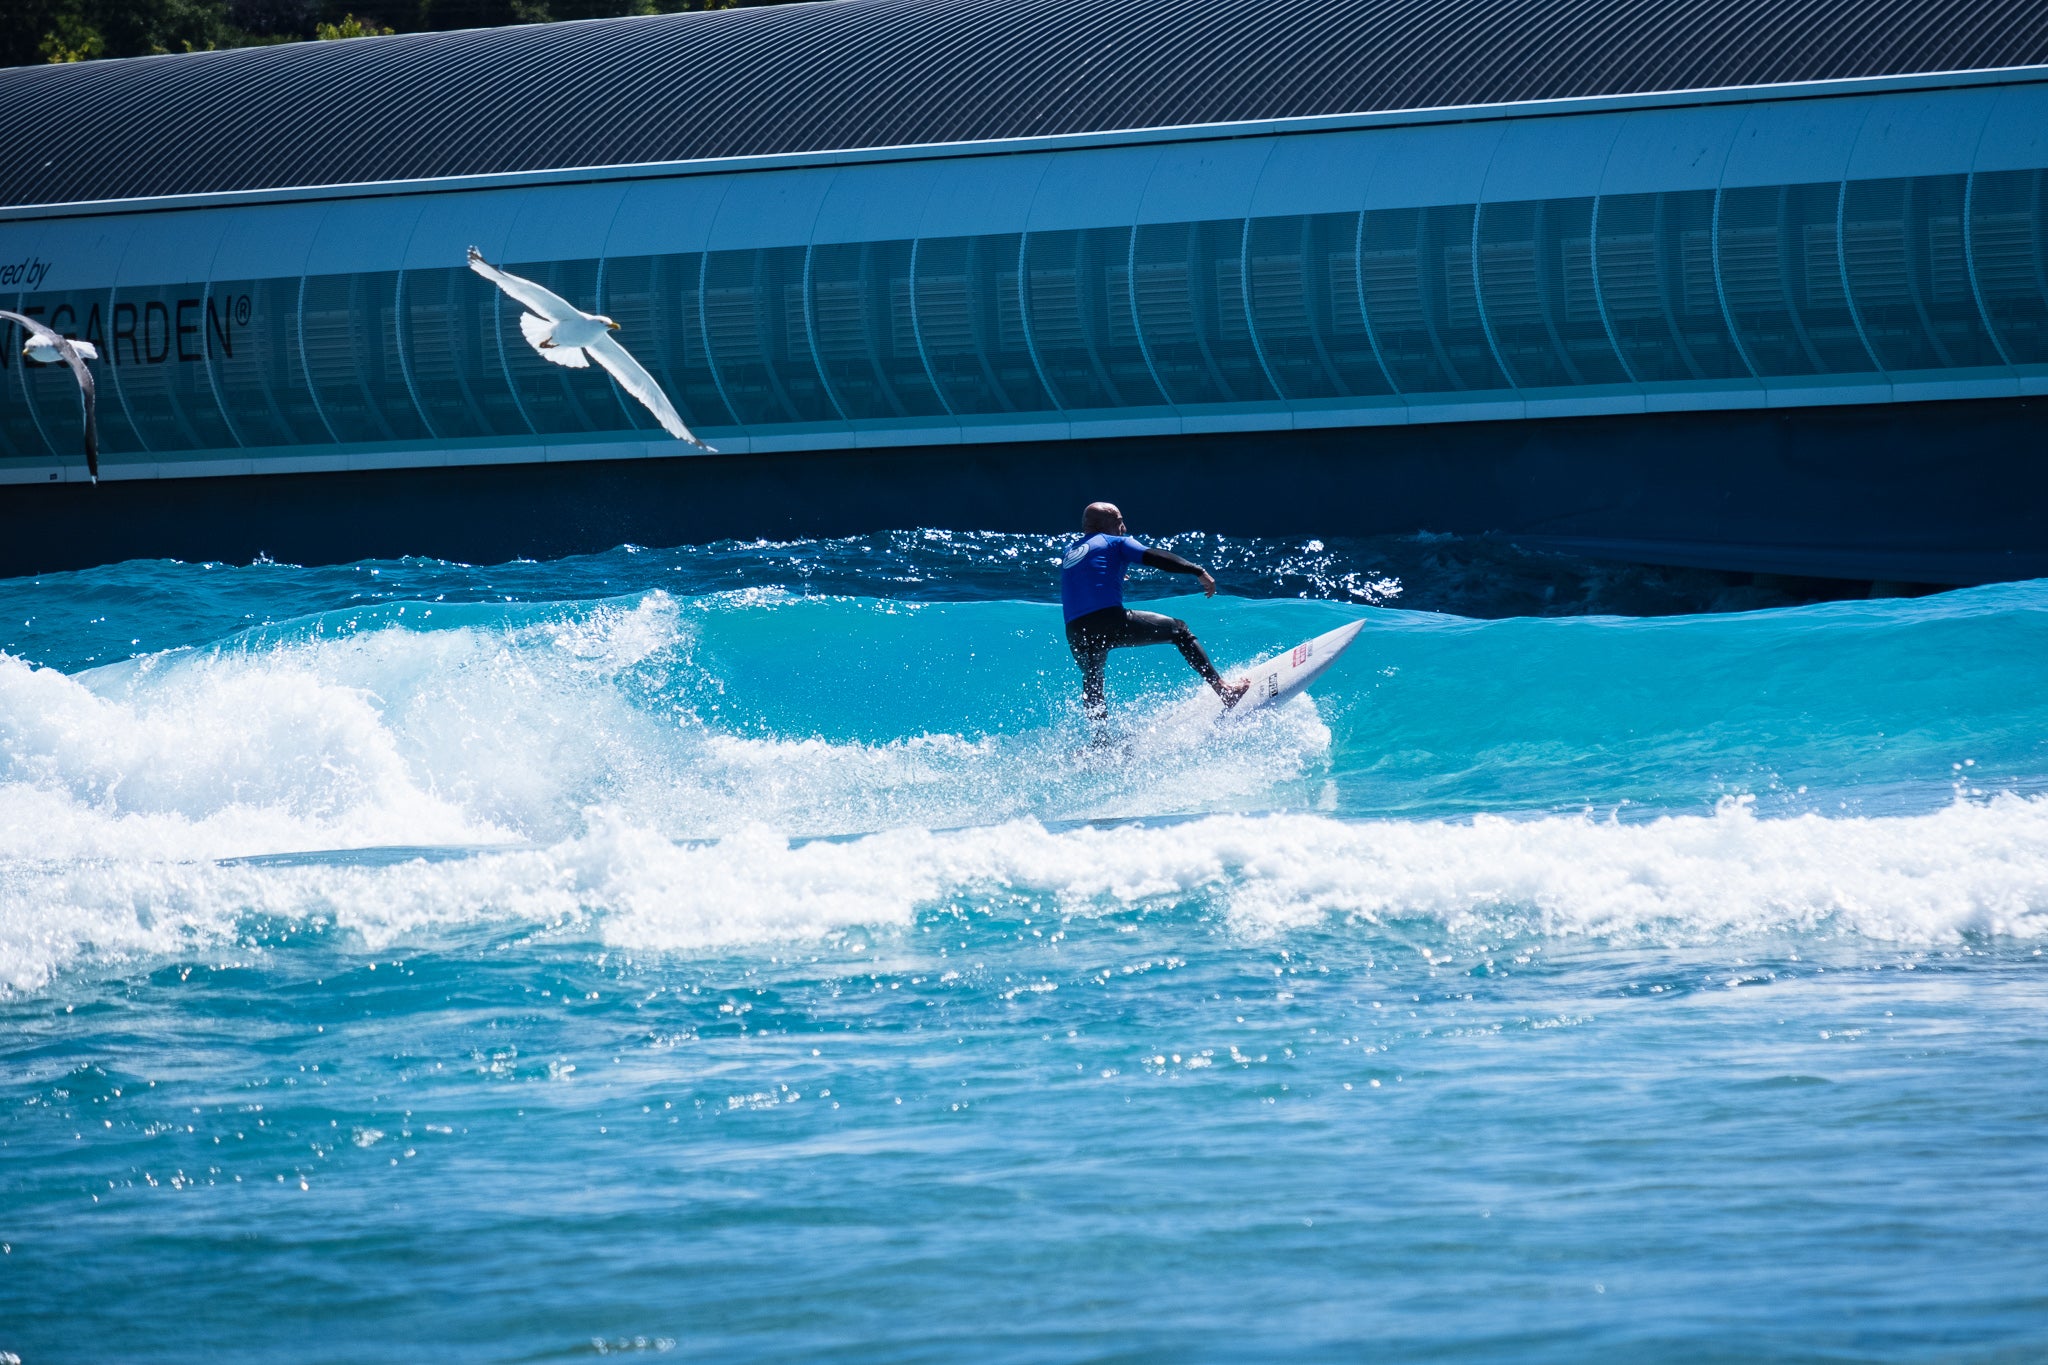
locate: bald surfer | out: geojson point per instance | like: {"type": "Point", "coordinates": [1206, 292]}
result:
{"type": "Point", "coordinates": [1092, 595]}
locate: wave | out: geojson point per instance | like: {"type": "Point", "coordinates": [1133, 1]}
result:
{"type": "Point", "coordinates": [420, 725]}
{"type": "Point", "coordinates": [666, 768]}
{"type": "Point", "coordinates": [1973, 869]}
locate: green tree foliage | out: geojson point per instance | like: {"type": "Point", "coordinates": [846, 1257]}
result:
{"type": "Point", "coordinates": [349, 27]}
{"type": "Point", "coordinates": [34, 31]}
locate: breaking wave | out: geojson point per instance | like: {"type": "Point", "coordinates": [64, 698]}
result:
{"type": "Point", "coordinates": [755, 762]}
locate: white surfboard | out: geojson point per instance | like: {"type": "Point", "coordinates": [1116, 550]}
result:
{"type": "Point", "coordinates": [1276, 679]}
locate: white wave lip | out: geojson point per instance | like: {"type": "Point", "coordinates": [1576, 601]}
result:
{"type": "Point", "coordinates": [1968, 869]}
{"type": "Point", "coordinates": [122, 786]}
{"type": "Point", "coordinates": [409, 733]}
{"type": "Point", "coordinates": [212, 759]}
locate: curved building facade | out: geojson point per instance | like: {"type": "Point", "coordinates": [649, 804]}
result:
{"type": "Point", "coordinates": [1799, 326]}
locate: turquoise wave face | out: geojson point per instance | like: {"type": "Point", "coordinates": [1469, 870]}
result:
{"type": "Point", "coordinates": [744, 951]}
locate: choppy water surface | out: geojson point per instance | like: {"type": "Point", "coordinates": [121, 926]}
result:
{"type": "Point", "coordinates": [737, 953]}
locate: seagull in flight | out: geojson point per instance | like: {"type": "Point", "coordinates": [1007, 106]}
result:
{"type": "Point", "coordinates": [567, 335]}
{"type": "Point", "coordinates": [48, 347]}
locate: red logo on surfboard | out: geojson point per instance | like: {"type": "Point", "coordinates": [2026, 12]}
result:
{"type": "Point", "coordinates": [1302, 651]}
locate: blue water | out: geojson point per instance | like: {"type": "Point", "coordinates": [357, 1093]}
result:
{"type": "Point", "coordinates": [738, 953]}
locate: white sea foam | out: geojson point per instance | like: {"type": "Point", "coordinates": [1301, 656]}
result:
{"type": "Point", "coordinates": [332, 736]}
{"type": "Point", "coordinates": [1979, 868]}
{"type": "Point", "coordinates": [579, 745]}
{"type": "Point", "coordinates": [121, 786]}
{"type": "Point", "coordinates": [1970, 868]}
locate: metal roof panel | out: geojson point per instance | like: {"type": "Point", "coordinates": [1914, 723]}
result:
{"type": "Point", "coordinates": [876, 73]}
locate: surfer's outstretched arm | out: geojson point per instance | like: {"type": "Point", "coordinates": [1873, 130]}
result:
{"type": "Point", "coordinates": [1173, 563]}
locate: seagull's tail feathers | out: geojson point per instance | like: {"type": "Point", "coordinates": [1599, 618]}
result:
{"type": "Point", "coordinates": [539, 332]}
{"type": "Point", "coordinates": [575, 357]}
{"type": "Point", "coordinates": [86, 349]}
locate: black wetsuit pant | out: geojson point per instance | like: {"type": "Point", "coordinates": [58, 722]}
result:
{"type": "Point", "coordinates": [1091, 637]}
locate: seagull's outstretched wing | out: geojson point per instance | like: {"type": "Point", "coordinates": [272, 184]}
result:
{"type": "Point", "coordinates": [526, 293]}
{"type": "Point", "coordinates": [636, 381]}
{"type": "Point", "coordinates": [86, 389]}
{"type": "Point", "coordinates": [88, 394]}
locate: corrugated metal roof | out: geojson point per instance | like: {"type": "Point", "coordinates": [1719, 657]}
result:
{"type": "Point", "coordinates": [875, 73]}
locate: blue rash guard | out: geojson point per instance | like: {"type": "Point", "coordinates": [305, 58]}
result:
{"type": "Point", "coordinates": [1092, 573]}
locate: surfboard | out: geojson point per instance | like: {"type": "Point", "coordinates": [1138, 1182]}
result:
{"type": "Point", "coordinates": [1276, 679]}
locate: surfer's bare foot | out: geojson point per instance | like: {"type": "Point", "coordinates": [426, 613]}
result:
{"type": "Point", "coordinates": [1233, 693]}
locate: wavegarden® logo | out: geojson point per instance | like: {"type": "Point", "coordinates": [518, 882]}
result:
{"type": "Point", "coordinates": [146, 331]}
{"type": "Point", "coordinates": [28, 274]}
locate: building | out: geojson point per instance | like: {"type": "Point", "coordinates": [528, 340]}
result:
{"type": "Point", "coordinates": [1748, 284]}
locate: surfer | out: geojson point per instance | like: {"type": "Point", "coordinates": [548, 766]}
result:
{"type": "Point", "coordinates": [1092, 594]}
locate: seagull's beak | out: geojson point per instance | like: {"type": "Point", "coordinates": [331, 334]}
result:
{"type": "Point", "coordinates": [611, 326]}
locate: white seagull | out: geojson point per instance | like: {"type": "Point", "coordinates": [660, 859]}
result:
{"type": "Point", "coordinates": [569, 336]}
{"type": "Point", "coordinates": [48, 347]}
